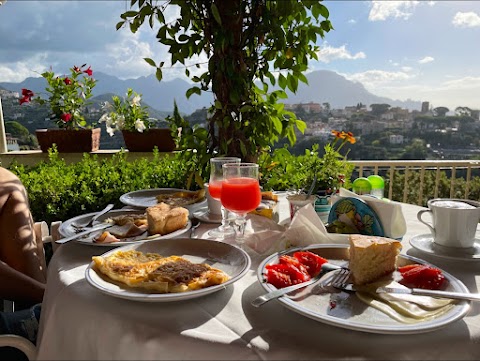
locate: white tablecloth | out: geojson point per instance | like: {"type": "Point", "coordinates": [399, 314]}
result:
{"type": "Point", "coordinates": [79, 322]}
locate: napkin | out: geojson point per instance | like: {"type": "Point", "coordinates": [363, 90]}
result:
{"type": "Point", "coordinates": [306, 228]}
{"type": "Point", "coordinates": [389, 212]}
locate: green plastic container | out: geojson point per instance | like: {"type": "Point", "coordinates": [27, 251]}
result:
{"type": "Point", "coordinates": [378, 185]}
{"type": "Point", "coordinates": [361, 186]}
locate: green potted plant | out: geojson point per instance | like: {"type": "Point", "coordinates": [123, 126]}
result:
{"type": "Point", "coordinates": [132, 119]}
{"type": "Point", "coordinates": [68, 95]}
{"type": "Point", "coordinates": [331, 171]}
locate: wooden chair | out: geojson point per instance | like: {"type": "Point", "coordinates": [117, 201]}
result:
{"type": "Point", "coordinates": [26, 346]}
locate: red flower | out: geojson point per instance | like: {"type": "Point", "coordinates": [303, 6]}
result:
{"type": "Point", "coordinates": [27, 93]}
{"type": "Point", "coordinates": [89, 71]}
{"type": "Point", "coordinates": [66, 117]}
{"type": "Point", "coordinates": [26, 96]}
{"type": "Point", "coordinates": [76, 69]}
{"type": "Point", "coordinates": [67, 80]}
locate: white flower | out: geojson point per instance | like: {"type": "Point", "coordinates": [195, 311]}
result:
{"type": "Point", "coordinates": [139, 126]}
{"type": "Point", "coordinates": [105, 118]}
{"type": "Point", "coordinates": [120, 121]}
{"type": "Point", "coordinates": [136, 100]}
{"type": "Point", "coordinates": [110, 130]}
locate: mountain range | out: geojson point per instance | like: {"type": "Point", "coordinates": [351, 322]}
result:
{"type": "Point", "coordinates": [323, 86]}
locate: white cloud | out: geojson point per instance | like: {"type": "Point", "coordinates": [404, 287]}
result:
{"type": "Point", "coordinates": [126, 57]}
{"type": "Point", "coordinates": [382, 10]}
{"type": "Point", "coordinates": [406, 68]}
{"type": "Point", "coordinates": [352, 21]}
{"type": "Point", "coordinates": [465, 83]}
{"type": "Point", "coordinates": [373, 78]}
{"type": "Point", "coordinates": [451, 93]}
{"type": "Point", "coordinates": [425, 60]}
{"type": "Point", "coordinates": [328, 53]}
{"type": "Point", "coordinates": [466, 20]}
{"type": "Point", "coordinates": [18, 71]}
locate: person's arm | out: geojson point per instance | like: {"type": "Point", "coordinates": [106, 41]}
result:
{"type": "Point", "coordinates": [17, 286]}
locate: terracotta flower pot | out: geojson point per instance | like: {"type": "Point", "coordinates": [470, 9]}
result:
{"type": "Point", "coordinates": [69, 140]}
{"type": "Point", "coordinates": [146, 141]}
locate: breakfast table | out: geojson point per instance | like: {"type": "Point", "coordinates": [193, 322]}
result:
{"type": "Point", "coordinates": [80, 323]}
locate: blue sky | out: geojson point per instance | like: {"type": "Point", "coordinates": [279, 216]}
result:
{"type": "Point", "coordinates": [420, 50]}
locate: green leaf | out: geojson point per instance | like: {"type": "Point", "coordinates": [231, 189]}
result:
{"type": "Point", "coordinates": [292, 83]}
{"type": "Point", "coordinates": [193, 90]}
{"type": "Point", "coordinates": [324, 11]}
{"type": "Point", "coordinates": [150, 61]}
{"type": "Point", "coordinates": [159, 74]}
{"type": "Point", "coordinates": [326, 25]}
{"type": "Point", "coordinates": [216, 14]}
{"type": "Point", "coordinates": [130, 14]}
{"type": "Point", "coordinates": [282, 81]}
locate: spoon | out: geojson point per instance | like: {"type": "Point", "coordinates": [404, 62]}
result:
{"type": "Point", "coordinates": [94, 218]}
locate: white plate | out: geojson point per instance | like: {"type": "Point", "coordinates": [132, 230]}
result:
{"type": "Point", "coordinates": [230, 259]}
{"type": "Point", "coordinates": [147, 198]}
{"type": "Point", "coordinates": [66, 229]}
{"type": "Point", "coordinates": [424, 243]}
{"type": "Point", "coordinates": [351, 313]}
{"type": "Point", "coordinates": [204, 215]}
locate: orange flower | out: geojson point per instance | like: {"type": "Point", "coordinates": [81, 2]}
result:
{"type": "Point", "coordinates": [351, 138]}
{"type": "Point", "coordinates": [336, 133]}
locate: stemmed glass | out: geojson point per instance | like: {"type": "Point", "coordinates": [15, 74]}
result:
{"type": "Point", "coordinates": [240, 193]}
{"type": "Point", "coordinates": [215, 190]}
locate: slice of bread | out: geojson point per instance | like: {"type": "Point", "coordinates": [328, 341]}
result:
{"type": "Point", "coordinates": [372, 257]}
{"type": "Point", "coordinates": [163, 219]}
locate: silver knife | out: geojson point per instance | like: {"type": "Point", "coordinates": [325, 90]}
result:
{"type": "Point", "coordinates": [431, 293]}
{"type": "Point", "coordinates": [84, 233]}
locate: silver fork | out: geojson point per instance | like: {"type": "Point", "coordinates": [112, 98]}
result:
{"type": "Point", "coordinates": [79, 227]}
{"type": "Point", "coordinates": [260, 300]}
{"type": "Point", "coordinates": [340, 280]}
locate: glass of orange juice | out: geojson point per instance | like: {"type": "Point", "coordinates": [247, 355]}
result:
{"type": "Point", "coordinates": [240, 193]}
{"type": "Point", "coordinates": [215, 189]}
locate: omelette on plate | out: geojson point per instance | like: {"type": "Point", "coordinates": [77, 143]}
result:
{"type": "Point", "coordinates": [158, 274]}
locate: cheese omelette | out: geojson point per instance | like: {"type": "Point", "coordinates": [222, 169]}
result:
{"type": "Point", "coordinates": [158, 274]}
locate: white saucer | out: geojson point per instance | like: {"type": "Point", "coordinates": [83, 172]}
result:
{"type": "Point", "coordinates": [204, 215]}
{"type": "Point", "coordinates": [424, 243]}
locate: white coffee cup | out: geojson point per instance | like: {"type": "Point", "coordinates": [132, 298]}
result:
{"type": "Point", "coordinates": [454, 221]}
{"type": "Point", "coordinates": [214, 206]}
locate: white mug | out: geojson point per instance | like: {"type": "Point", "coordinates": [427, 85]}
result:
{"type": "Point", "coordinates": [214, 206]}
{"type": "Point", "coordinates": [454, 221]}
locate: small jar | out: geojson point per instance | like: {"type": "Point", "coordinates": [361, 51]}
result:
{"type": "Point", "coordinates": [378, 186]}
{"type": "Point", "coordinates": [362, 186]}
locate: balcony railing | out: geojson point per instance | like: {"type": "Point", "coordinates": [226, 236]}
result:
{"type": "Point", "coordinates": [390, 169]}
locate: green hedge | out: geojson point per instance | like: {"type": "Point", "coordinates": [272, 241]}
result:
{"type": "Point", "coordinates": [59, 191]}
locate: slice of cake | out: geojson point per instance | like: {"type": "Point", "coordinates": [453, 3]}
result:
{"type": "Point", "coordinates": [372, 257]}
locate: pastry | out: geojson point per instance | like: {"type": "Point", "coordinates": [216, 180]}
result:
{"type": "Point", "coordinates": [372, 257]}
{"type": "Point", "coordinates": [163, 218]}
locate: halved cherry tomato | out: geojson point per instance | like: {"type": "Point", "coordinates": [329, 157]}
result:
{"type": "Point", "coordinates": [423, 277]}
{"type": "Point", "coordinates": [408, 267]}
{"type": "Point", "coordinates": [312, 262]}
{"type": "Point", "coordinates": [285, 259]}
{"type": "Point", "coordinates": [289, 275]}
